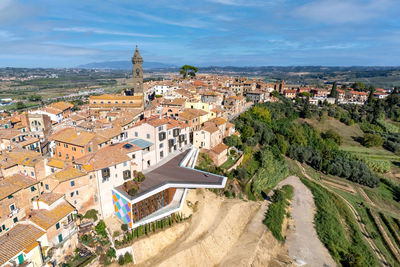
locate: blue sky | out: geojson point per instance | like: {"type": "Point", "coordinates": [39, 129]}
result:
{"type": "Point", "coordinates": [66, 33]}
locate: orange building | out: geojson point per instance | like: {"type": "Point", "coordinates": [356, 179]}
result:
{"type": "Point", "coordinates": [71, 144]}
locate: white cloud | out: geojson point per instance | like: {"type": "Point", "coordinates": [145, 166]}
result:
{"type": "Point", "coordinates": [192, 23]}
{"type": "Point", "coordinates": [101, 31]}
{"type": "Point", "coordinates": [343, 11]}
{"type": "Point", "coordinates": [245, 2]}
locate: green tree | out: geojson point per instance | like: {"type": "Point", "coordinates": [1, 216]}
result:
{"type": "Point", "coordinates": [334, 90]}
{"type": "Point", "coordinates": [20, 105]}
{"type": "Point", "coordinates": [359, 86]}
{"type": "Point", "coordinates": [370, 140]}
{"type": "Point", "coordinates": [334, 136]}
{"type": "Point", "coordinates": [188, 70]}
{"type": "Point", "coordinates": [306, 112]}
{"type": "Point", "coordinates": [372, 90]}
{"type": "Point", "coordinates": [35, 98]}
{"type": "Point", "coordinates": [275, 94]}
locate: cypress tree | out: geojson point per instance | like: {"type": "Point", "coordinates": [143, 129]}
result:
{"type": "Point", "coordinates": [334, 90]}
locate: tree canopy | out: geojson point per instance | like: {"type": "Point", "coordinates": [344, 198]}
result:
{"type": "Point", "coordinates": [188, 70]}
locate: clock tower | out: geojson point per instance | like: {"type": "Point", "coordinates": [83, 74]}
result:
{"type": "Point", "coordinates": [137, 62]}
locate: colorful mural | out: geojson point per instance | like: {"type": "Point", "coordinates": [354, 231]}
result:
{"type": "Point", "coordinates": [122, 208]}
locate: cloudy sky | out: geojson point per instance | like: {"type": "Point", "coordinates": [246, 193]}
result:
{"type": "Point", "coordinates": [66, 33]}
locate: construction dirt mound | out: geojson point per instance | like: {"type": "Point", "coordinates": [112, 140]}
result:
{"type": "Point", "coordinates": [223, 232]}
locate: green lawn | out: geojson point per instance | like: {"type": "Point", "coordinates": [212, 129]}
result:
{"type": "Point", "coordinates": [230, 161]}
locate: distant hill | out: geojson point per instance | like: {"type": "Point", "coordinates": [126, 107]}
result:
{"type": "Point", "coordinates": [124, 65]}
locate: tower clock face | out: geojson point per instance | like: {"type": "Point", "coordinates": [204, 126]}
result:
{"type": "Point", "coordinates": [137, 72]}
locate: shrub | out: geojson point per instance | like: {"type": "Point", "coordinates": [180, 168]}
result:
{"type": "Point", "coordinates": [333, 135]}
{"type": "Point", "coordinates": [111, 253]}
{"type": "Point", "coordinates": [124, 227]}
{"type": "Point", "coordinates": [116, 233]}
{"type": "Point", "coordinates": [121, 260]}
{"type": "Point", "coordinates": [128, 257]}
{"type": "Point", "coordinates": [140, 177]}
{"type": "Point", "coordinates": [277, 211]}
{"type": "Point", "coordinates": [91, 214]}
{"type": "Point", "coordinates": [371, 140]}
{"type": "Point", "coordinates": [100, 228]}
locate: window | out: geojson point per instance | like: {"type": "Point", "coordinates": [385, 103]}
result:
{"type": "Point", "coordinates": [161, 145]}
{"type": "Point", "coordinates": [148, 136]}
{"type": "Point", "coordinates": [72, 183]}
{"type": "Point", "coordinates": [32, 174]}
{"type": "Point", "coordinates": [176, 132]}
{"type": "Point", "coordinates": [10, 196]}
{"type": "Point", "coordinates": [67, 156]}
{"type": "Point", "coordinates": [105, 173]}
{"type": "Point", "coordinates": [12, 207]}
{"type": "Point", "coordinates": [89, 149]}
{"type": "Point", "coordinates": [59, 154]}
{"type": "Point", "coordinates": [73, 158]}
{"type": "Point", "coordinates": [160, 128]}
{"type": "Point", "coordinates": [90, 177]}
{"type": "Point", "coordinates": [33, 188]}
{"type": "Point", "coordinates": [136, 134]}
{"type": "Point", "coordinates": [133, 156]}
{"type": "Point", "coordinates": [126, 174]}
{"type": "Point", "coordinates": [73, 148]}
{"type": "Point", "coordinates": [125, 164]}
{"type": "Point", "coordinates": [65, 145]}
{"type": "Point", "coordinates": [15, 220]}
{"type": "Point", "coordinates": [161, 154]}
{"type": "Point", "coordinates": [77, 192]}
{"type": "Point", "coordinates": [72, 194]}
{"type": "Point", "coordinates": [46, 186]}
{"type": "Point", "coordinates": [161, 136]}
{"type": "Point", "coordinates": [60, 238]}
{"type": "Point", "coordinates": [57, 225]}
{"type": "Point", "coordinates": [52, 170]}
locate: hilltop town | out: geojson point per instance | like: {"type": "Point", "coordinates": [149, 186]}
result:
{"type": "Point", "coordinates": [117, 166]}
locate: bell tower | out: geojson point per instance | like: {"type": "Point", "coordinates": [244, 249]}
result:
{"type": "Point", "coordinates": [137, 62]}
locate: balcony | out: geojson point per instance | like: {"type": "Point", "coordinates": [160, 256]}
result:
{"type": "Point", "coordinates": [69, 225]}
{"type": "Point", "coordinates": [66, 238]}
{"type": "Point", "coordinates": [13, 213]}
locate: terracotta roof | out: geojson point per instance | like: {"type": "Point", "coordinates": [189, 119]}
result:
{"type": "Point", "coordinates": [9, 133]}
{"type": "Point", "coordinates": [24, 157]}
{"type": "Point", "coordinates": [110, 133]}
{"type": "Point", "coordinates": [218, 149]}
{"type": "Point", "coordinates": [210, 128]}
{"type": "Point", "coordinates": [47, 218]}
{"type": "Point", "coordinates": [71, 136]}
{"type": "Point", "coordinates": [56, 163]}
{"type": "Point", "coordinates": [50, 198]}
{"type": "Point", "coordinates": [104, 157]}
{"type": "Point", "coordinates": [174, 102]}
{"type": "Point", "coordinates": [29, 142]}
{"type": "Point", "coordinates": [191, 113]}
{"type": "Point", "coordinates": [218, 121]}
{"type": "Point", "coordinates": [114, 97]}
{"type": "Point", "coordinates": [68, 174]}
{"type": "Point", "coordinates": [61, 105]}
{"type": "Point", "coordinates": [14, 183]}
{"type": "Point", "coordinates": [19, 238]}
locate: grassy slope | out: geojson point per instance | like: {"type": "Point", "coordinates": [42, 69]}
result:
{"type": "Point", "coordinates": [381, 196]}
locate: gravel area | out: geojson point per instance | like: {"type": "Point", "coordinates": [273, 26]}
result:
{"type": "Point", "coordinates": [303, 242]}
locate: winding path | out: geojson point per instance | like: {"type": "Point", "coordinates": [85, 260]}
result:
{"type": "Point", "coordinates": [360, 223]}
{"type": "Point", "coordinates": [303, 242]}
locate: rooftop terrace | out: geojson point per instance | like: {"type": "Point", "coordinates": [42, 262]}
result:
{"type": "Point", "coordinates": [176, 175]}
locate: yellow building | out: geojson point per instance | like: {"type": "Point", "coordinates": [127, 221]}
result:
{"type": "Point", "coordinates": [108, 101]}
{"type": "Point", "coordinates": [203, 106]}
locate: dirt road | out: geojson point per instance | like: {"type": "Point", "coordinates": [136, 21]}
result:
{"type": "Point", "coordinates": [303, 242]}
